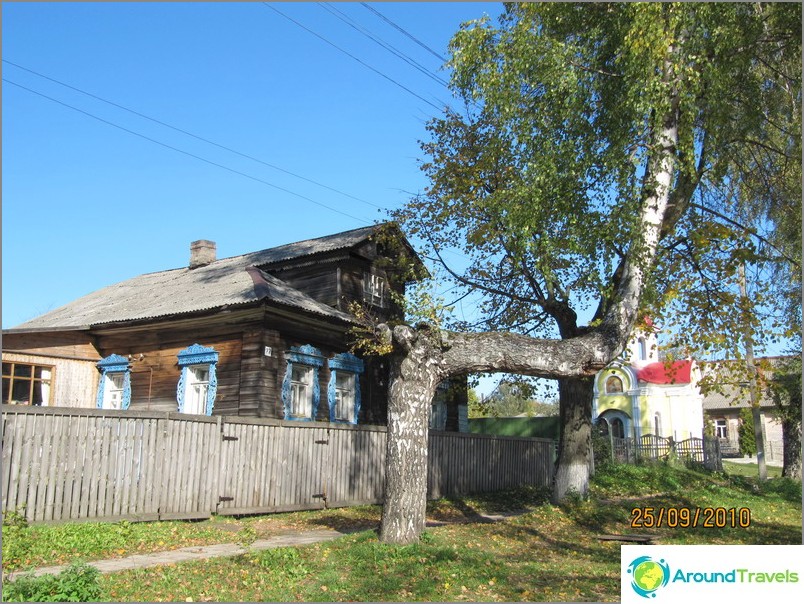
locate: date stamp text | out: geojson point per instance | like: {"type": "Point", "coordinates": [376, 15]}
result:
{"type": "Point", "coordinates": [670, 517]}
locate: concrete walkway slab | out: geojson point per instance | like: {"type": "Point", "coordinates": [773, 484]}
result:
{"type": "Point", "coordinates": [220, 550]}
{"type": "Point", "coordinates": [187, 554]}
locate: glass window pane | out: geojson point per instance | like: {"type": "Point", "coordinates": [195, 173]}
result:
{"type": "Point", "coordinates": [6, 389]}
{"type": "Point", "coordinates": [201, 374]}
{"type": "Point", "coordinates": [22, 370]}
{"type": "Point", "coordinates": [42, 373]}
{"type": "Point", "coordinates": [7, 369]}
{"type": "Point", "coordinates": [20, 392]}
{"type": "Point", "coordinates": [38, 395]}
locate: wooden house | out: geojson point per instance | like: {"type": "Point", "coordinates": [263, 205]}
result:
{"type": "Point", "coordinates": [263, 334]}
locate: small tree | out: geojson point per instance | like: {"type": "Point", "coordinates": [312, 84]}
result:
{"type": "Point", "coordinates": [786, 392]}
{"type": "Point", "coordinates": [748, 443]}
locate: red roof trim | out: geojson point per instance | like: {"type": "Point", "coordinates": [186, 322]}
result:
{"type": "Point", "coordinates": [677, 372]}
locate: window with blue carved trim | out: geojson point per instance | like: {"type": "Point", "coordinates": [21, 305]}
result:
{"type": "Point", "coordinates": [114, 387]}
{"type": "Point", "coordinates": [198, 382]}
{"type": "Point", "coordinates": [344, 397]}
{"type": "Point", "coordinates": [301, 392]}
{"type": "Point", "coordinates": [343, 393]}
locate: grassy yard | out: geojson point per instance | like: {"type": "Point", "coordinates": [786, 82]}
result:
{"type": "Point", "coordinates": [549, 553]}
{"type": "Point", "coordinates": [749, 469]}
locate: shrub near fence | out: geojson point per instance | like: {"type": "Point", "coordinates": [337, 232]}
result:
{"type": "Point", "coordinates": [73, 464]}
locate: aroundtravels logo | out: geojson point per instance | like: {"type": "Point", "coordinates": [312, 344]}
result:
{"type": "Point", "coordinates": [675, 573]}
{"type": "Point", "coordinates": [648, 575]}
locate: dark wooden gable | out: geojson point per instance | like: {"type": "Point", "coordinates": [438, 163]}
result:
{"type": "Point", "coordinates": [338, 278]}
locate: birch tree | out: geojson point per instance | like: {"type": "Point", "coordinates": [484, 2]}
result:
{"type": "Point", "coordinates": [587, 133]}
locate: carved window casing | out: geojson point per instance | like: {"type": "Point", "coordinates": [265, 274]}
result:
{"type": "Point", "coordinates": [114, 388]}
{"type": "Point", "coordinates": [301, 392]}
{"type": "Point", "coordinates": [198, 383]}
{"type": "Point", "coordinates": [343, 391]}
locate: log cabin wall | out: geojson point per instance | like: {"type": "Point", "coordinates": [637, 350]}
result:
{"type": "Point", "coordinates": [316, 278]}
{"type": "Point", "coordinates": [251, 364]}
{"type": "Point", "coordinates": [155, 375]}
{"type": "Point", "coordinates": [330, 341]}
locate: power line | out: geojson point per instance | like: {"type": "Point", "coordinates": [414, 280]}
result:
{"type": "Point", "coordinates": [366, 65]}
{"type": "Point", "coordinates": [399, 54]}
{"type": "Point", "coordinates": [172, 148]}
{"type": "Point", "coordinates": [401, 29]}
{"type": "Point", "coordinates": [190, 134]}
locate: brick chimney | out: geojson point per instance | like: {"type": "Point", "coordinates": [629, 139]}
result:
{"type": "Point", "coordinates": [202, 252]}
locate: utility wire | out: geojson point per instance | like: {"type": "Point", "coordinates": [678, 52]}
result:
{"type": "Point", "coordinates": [401, 29]}
{"type": "Point", "coordinates": [190, 134]}
{"type": "Point", "coordinates": [254, 178]}
{"type": "Point", "coordinates": [412, 62]}
{"type": "Point", "coordinates": [378, 72]}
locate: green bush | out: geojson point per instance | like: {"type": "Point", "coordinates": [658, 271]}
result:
{"type": "Point", "coordinates": [748, 443]}
{"type": "Point", "coordinates": [76, 583]}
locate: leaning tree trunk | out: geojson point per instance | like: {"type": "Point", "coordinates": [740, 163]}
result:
{"type": "Point", "coordinates": [414, 377]}
{"type": "Point", "coordinates": [575, 441]}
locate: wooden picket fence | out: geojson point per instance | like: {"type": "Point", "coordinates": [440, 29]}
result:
{"type": "Point", "coordinates": [84, 464]}
{"type": "Point", "coordinates": [649, 446]}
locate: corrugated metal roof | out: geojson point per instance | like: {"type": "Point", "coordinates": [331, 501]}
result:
{"type": "Point", "coordinates": [225, 282]}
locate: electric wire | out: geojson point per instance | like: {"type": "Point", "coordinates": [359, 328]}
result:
{"type": "Point", "coordinates": [190, 134]}
{"type": "Point", "coordinates": [405, 32]}
{"type": "Point", "coordinates": [399, 54]}
{"type": "Point", "coordinates": [363, 63]}
{"type": "Point", "coordinates": [187, 153]}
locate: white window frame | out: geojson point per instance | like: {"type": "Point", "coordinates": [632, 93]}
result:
{"type": "Point", "coordinates": [344, 396]}
{"type": "Point", "coordinates": [722, 428]}
{"type": "Point", "coordinates": [114, 385]}
{"type": "Point", "coordinates": [301, 392]}
{"type": "Point", "coordinates": [196, 389]}
{"type": "Point", "coordinates": [374, 288]}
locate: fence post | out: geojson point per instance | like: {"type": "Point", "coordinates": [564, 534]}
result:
{"type": "Point", "coordinates": [611, 446]}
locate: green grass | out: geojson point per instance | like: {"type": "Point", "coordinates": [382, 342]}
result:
{"type": "Point", "coordinates": [549, 553]}
{"type": "Point", "coordinates": [749, 469]}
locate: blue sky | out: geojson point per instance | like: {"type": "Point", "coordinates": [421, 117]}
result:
{"type": "Point", "coordinates": [94, 193]}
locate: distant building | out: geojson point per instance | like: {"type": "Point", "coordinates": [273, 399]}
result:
{"type": "Point", "coordinates": [638, 394]}
{"type": "Point", "coordinates": [728, 395]}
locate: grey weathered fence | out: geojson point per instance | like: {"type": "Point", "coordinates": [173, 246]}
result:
{"type": "Point", "coordinates": [703, 451]}
{"type": "Point", "coordinates": [72, 464]}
